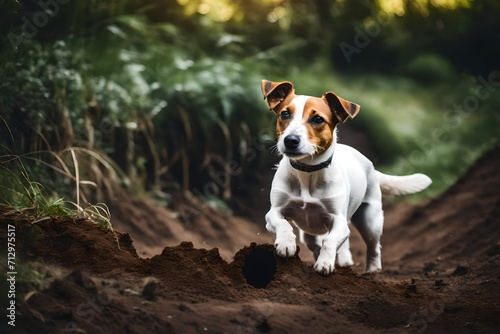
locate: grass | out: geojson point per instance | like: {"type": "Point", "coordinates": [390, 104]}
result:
{"type": "Point", "coordinates": [27, 196]}
{"type": "Point", "coordinates": [30, 199]}
{"type": "Point", "coordinates": [33, 200]}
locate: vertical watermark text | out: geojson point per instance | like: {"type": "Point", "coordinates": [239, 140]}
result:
{"type": "Point", "coordinates": [11, 274]}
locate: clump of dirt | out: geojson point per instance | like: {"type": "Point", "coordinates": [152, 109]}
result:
{"type": "Point", "coordinates": [75, 243]}
{"type": "Point", "coordinates": [154, 226]}
{"type": "Point", "coordinates": [441, 273]}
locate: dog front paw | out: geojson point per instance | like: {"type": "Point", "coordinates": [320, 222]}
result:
{"type": "Point", "coordinates": [324, 266]}
{"type": "Point", "coordinates": [285, 247]}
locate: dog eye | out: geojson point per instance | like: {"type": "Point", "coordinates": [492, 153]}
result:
{"type": "Point", "coordinates": [317, 120]}
{"type": "Point", "coordinates": [285, 115]}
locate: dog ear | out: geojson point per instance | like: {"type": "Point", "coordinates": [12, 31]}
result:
{"type": "Point", "coordinates": [275, 92]}
{"type": "Point", "coordinates": [341, 108]}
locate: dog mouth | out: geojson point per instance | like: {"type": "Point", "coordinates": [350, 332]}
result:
{"type": "Point", "coordinates": [295, 154]}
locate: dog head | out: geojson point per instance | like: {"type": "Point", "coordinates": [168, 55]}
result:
{"type": "Point", "coordinates": [305, 124]}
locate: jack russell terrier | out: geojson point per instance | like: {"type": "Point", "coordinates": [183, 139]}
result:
{"type": "Point", "coordinates": [320, 185]}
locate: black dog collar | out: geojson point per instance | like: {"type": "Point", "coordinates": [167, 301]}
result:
{"type": "Point", "coordinates": [308, 168]}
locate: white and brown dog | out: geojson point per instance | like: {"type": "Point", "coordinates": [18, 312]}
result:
{"type": "Point", "coordinates": [321, 185]}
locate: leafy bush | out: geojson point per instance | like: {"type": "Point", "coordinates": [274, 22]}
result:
{"type": "Point", "coordinates": [430, 68]}
{"type": "Point", "coordinates": [208, 108]}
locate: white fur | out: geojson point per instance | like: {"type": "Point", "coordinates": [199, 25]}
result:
{"type": "Point", "coordinates": [321, 203]}
{"type": "Point", "coordinates": [401, 185]}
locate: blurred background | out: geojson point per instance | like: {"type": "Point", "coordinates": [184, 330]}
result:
{"type": "Point", "coordinates": [163, 97]}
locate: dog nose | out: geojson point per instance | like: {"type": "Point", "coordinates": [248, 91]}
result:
{"type": "Point", "coordinates": [292, 141]}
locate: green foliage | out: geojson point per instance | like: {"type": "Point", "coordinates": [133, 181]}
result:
{"type": "Point", "coordinates": [38, 89]}
{"type": "Point", "coordinates": [430, 68]}
{"type": "Point", "coordinates": [461, 126]}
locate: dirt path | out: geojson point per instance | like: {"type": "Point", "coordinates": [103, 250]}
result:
{"type": "Point", "coordinates": [441, 272]}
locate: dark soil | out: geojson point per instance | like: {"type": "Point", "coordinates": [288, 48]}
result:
{"type": "Point", "coordinates": [441, 271]}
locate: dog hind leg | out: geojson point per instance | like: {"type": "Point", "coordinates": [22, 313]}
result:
{"type": "Point", "coordinates": [369, 220]}
{"type": "Point", "coordinates": [344, 256]}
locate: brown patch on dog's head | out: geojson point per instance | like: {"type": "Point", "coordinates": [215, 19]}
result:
{"type": "Point", "coordinates": [320, 123]}
{"type": "Point", "coordinates": [284, 116]}
{"type": "Point", "coordinates": [276, 93]}
{"type": "Point", "coordinates": [341, 108]}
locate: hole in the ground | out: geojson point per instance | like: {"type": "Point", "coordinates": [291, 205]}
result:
{"type": "Point", "coordinates": [259, 267]}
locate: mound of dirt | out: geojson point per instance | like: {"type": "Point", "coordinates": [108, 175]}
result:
{"type": "Point", "coordinates": [441, 272]}
{"type": "Point", "coordinates": [462, 225]}
{"type": "Point", "coordinates": [154, 226]}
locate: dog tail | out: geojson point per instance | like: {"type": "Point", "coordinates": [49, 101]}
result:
{"type": "Point", "coordinates": [401, 185]}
